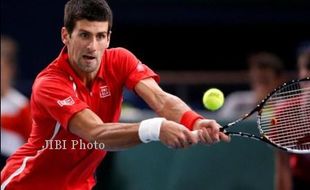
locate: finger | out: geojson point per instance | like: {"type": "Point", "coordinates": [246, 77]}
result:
{"type": "Point", "coordinates": [174, 143]}
{"type": "Point", "coordinates": [212, 128]}
{"type": "Point", "coordinates": [214, 134]}
{"type": "Point", "coordinates": [179, 141]}
{"type": "Point", "coordinates": [185, 139]}
{"type": "Point", "coordinates": [206, 136]}
{"type": "Point", "coordinates": [224, 137]}
{"type": "Point", "coordinates": [201, 137]}
{"type": "Point", "coordinates": [195, 134]}
{"type": "Point", "coordinates": [192, 137]}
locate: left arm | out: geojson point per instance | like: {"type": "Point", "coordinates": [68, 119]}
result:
{"type": "Point", "coordinates": [173, 108]}
{"type": "Point", "coordinates": [163, 103]}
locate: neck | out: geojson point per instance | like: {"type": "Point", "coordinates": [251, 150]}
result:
{"type": "Point", "coordinates": [86, 78]}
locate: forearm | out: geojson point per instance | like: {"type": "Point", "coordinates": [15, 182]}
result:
{"type": "Point", "coordinates": [166, 105]}
{"type": "Point", "coordinates": [116, 136]}
{"type": "Point", "coordinates": [171, 107]}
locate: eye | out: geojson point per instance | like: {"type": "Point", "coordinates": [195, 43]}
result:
{"type": "Point", "coordinates": [84, 35]}
{"type": "Point", "coordinates": [101, 36]}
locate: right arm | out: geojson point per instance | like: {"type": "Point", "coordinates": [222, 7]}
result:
{"type": "Point", "coordinates": [118, 136]}
{"type": "Point", "coordinates": [115, 136]}
{"type": "Point", "coordinates": [56, 97]}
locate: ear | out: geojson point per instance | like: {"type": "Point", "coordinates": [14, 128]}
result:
{"type": "Point", "coordinates": [64, 35]}
{"type": "Point", "coordinates": [109, 39]}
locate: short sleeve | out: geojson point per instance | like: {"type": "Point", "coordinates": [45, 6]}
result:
{"type": "Point", "coordinates": [128, 68]}
{"type": "Point", "coordinates": [57, 97]}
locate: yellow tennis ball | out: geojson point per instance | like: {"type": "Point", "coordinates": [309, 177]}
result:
{"type": "Point", "coordinates": [213, 99]}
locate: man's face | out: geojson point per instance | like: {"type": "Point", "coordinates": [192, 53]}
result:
{"type": "Point", "coordinates": [86, 44]}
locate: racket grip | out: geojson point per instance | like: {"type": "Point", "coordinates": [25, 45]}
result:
{"type": "Point", "coordinates": [222, 129]}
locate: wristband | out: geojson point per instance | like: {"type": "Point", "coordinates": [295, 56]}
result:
{"type": "Point", "coordinates": [149, 129]}
{"type": "Point", "coordinates": [188, 119]}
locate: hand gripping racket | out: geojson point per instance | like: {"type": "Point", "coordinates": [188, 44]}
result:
{"type": "Point", "coordinates": [283, 118]}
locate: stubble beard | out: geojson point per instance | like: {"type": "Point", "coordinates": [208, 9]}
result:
{"type": "Point", "coordinates": [88, 68]}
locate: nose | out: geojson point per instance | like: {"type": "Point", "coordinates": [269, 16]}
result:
{"type": "Point", "coordinates": [92, 44]}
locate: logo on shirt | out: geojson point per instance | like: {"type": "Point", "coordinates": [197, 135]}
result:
{"type": "Point", "coordinates": [140, 67]}
{"type": "Point", "coordinates": [104, 91]}
{"type": "Point", "coordinates": [66, 102]}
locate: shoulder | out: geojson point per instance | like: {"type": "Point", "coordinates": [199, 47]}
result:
{"type": "Point", "coordinates": [120, 61]}
{"type": "Point", "coordinates": [51, 77]}
{"type": "Point", "coordinates": [119, 53]}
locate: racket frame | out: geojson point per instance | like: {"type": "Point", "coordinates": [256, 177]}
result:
{"type": "Point", "coordinates": [257, 109]}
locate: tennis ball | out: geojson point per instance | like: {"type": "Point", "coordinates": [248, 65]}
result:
{"type": "Point", "coordinates": [213, 99]}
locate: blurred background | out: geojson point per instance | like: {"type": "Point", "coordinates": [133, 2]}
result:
{"type": "Point", "coordinates": [169, 35]}
{"type": "Point", "coordinates": [193, 44]}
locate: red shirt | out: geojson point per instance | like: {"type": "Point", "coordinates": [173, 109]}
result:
{"type": "Point", "coordinates": [57, 95]}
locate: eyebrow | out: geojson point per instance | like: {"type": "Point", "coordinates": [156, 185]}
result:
{"type": "Point", "coordinates": [82, 30]}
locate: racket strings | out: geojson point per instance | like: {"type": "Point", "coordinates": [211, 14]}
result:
{"type": "Point", "coordinates": [304, 146]}
{"type": "Point", "coordinates": [284, 138]}
{"type": "Point", "coordinates": [287, 93]}
{"type": "Point", "coordinates": [269, 122]}
{"type": "Point", "coordinates": [283, 128]}
{"type": "Point", "coordinates": [291, 113]}
{"type": "Point", "coordinates": [288, 134]}
{"type": "Point", "coordinates": [285, 117]}
{"type": "Point", "coordinates": [296, 100]}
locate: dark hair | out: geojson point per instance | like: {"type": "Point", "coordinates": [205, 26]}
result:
{"type": "Point", "coordinates": [92, 10]}
{"type": "Point", "coordinates": [266, 60]}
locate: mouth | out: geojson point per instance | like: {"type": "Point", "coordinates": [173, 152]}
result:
{"type": "Point", "coordinates": [89, 57]}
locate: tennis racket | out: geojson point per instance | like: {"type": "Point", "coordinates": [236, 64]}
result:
{"type": "Point", "coordinates": [283, 118]}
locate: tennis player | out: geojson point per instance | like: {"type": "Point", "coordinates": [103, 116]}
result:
{"type": "Point", "coordinates": [76, 104]}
